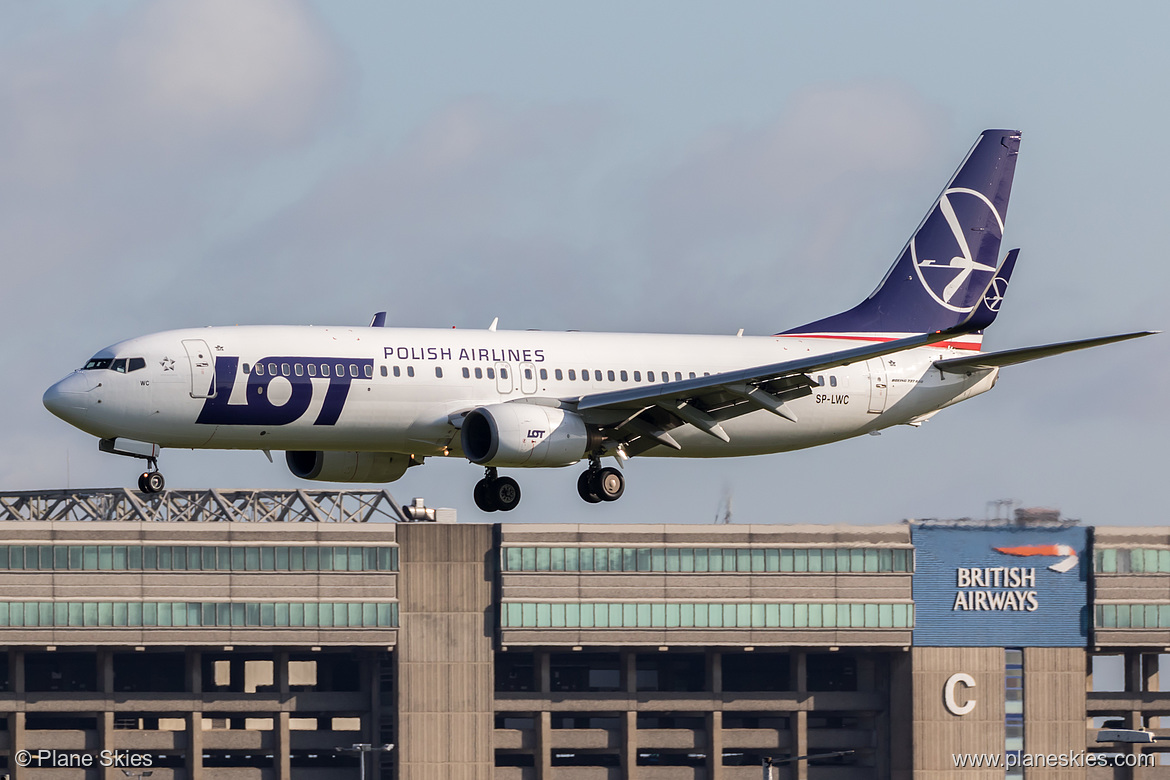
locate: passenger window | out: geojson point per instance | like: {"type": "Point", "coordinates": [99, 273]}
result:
{"type": "Point", "coordinates": [410, 370]}
{"type": "Point", "coordinates": [625, 376]}
{"type": "Point", "coordinates": [384, 371]}
{"type": "Point", "coordinates": [119, 365]}
{"type": "Point", "coordinates": [572, 375]}
{"type": "Point", "coordinates": [439, 372]}
{"type": "Point", "coordinates": [820, 381]}
{"type": "Point", "coordinates": [503, 373]}
{"type": "Point", "coordinates": [313, 369]}
{"type": "Point", "coordinates": [491, 373]}
{"type": "Point", "coordinates": [466, 373]}
{"type": "Point", "coordinates": [479, 373]}
{"type": "Point", "coordinates": [692, 375]}
{"type": "Point", "coordinates": [246, 369]}
{"type": "Point", "coordinates": [543, 374]}
{"type": "Point", "coordinates": [340, 369]}
{"type": "Point", "coordinates": [678, 376]}
{"type": "Point", "coordinates": [637, 376]}
{"type": "Point", "coordinates": [528, 373]}
{"type": "Point", "coordinates": [597, 375]}
{"type": "Point", "coordinates": [298, 369]}
{"type": "Point", "coordinates": [649, 376]}
{"type": "Point", "coordinates": [259, 369]}
{"type": "Point", "coordinates": [556, 373]}
{"type": "Point", "coordinates": [284, 369]}
{"type": "Point", "coordinates": [271, 369]}
{"type": "Point", "coordinates": [324, 369]}
{"type": "Point", "coordinates": [137, 363]}
{"type": "Point", "coordinates": [368, 370]}
{"type": "Point", "coordinates": [832, 381]}
{"type": "Point", "coordinates": [609, 375]}
{"type": "Point", "coordinates": [397, 371]}
{"type": "Point", "coordinates": [584, 375]}
{"type": "Point", "coordinates": [353, 372]}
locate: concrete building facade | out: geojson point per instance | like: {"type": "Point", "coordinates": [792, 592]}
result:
{"type": "Point", "coordinates": [257, 650]}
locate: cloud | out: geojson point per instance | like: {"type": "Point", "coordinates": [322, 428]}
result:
{"type": "Point", "coordinates": [110, 132]}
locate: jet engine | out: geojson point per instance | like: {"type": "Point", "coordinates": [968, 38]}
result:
{"type": "Point", "coordinates": [347, 466]}
{"type": "Point", "coordinates": [520, 434]}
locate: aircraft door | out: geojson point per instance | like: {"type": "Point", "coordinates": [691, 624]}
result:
{"type": "Point", "coordinates": [202, 368]}
{"type": "Point", "coordinates": [528, 378]}
{"type": "Point", "coordinates": [503, 378]}
{"type": "Point", "coordinates": [877, 385]}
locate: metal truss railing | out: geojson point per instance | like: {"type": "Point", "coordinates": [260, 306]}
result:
{"type": "Point", "coordinates": [202, 506]}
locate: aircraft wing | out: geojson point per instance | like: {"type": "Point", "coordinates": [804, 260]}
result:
{"type": "Point", "coordinates": [642, 417]}
{"type": "Point", "coordinates": [1012, 356]}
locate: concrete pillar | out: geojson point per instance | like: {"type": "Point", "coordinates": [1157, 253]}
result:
{"type": "Point", "coordinates": [193, 761]}
{"type": "Point", "coordinates": [280, 671]}
{"type": "Point", "coordinates": [1150, 682]}
{"type": "Point", "coordinates": [630, 745]}
{"type": "Point", "coordinates": [715, 671]}
{"type": "Point", "coordinates": [16, 670]}
{"type": "Point", "coordinates": [715, 745]}
{"type": "Point", "coordinates": [542, 750]}
{"type": "Point", "coordinates": [800, 742]}
{"type": "Point", "coordinates": [194, 671]}
{"type": "Point", "coordinates": [106, 738]}
{"type": "Point", "coordinates": [283, 758]}
{"type": "Point", "coordinates": [16, 732]}
{"type": "Point", "coordinates": [543, 675]}
{"type": "Point", "coordinates": [800, 672]}
{"type": "Point", "coordinates": [629, 671]}
{"type": "Point", "coordinates": [105, 664]}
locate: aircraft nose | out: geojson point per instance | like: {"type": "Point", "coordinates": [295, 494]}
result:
{"type": "Point", "coordinates": [69, 398]}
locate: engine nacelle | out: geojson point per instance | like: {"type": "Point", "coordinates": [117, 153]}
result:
{"type": "Point", "coordinates": [520, 434]}
{"type": "Point", "coordinates": [347, 466]}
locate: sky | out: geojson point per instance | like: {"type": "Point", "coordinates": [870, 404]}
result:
{"type": "Point", "coordinates": [663, 167]}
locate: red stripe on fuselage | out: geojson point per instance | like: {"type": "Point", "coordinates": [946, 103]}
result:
{"type": "Point", "coordinates": [877, 339]}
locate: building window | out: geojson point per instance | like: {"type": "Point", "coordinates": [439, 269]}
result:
{"type": "Point", "coordinates": [708, 559]}
{"type": "Point", "coordinates": [705, 615]}
{"type": "Point", "coordinates": [1014, 708]}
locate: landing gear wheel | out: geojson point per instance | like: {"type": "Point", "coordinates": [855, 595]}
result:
{"type": "Point", "coordinates": [585, 487]}
{"type": "Point", "coordinates": [151, 482]}
{"type": "Point", "coordinates": [505, 493]}
{"type": "Point", "coordinates": [483, 497]}
{"type": "Point", "coordinates": [609, 484]}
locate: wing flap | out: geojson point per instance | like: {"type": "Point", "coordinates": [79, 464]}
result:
{"type": "Point", "coordinates": [1010, 357]}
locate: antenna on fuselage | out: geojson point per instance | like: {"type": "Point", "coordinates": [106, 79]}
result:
{"type": "Point", "coordinates": [495, 322]}
{"type": "Point", "coordinates": [379, 320]}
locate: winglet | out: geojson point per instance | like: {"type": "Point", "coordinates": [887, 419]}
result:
{"type": "Point", "coordinates": [988, 307]}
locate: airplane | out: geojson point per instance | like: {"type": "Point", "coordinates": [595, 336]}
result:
{"type": "Point", "coordinates": [365, 404]}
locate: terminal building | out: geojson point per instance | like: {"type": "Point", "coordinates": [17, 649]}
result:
{"type": "Point", "coordinates": [284, 635]}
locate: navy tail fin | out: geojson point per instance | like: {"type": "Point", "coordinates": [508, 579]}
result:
{"type": "Point", "coordinates": [940, 277]}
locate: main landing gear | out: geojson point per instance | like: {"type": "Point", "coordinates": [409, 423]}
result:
{"type": "Point", "coordinates": [598, 484]}
{"type": "Point", "coordinates": [495, 493]}
{"type": "Point", "coordinates": [151, 481]}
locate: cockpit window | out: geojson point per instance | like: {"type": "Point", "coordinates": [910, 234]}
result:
{"type": "Point", "coordinates": [136, 363]}
{"type": "Point", "coordinates": [98, 363]}
{"type": "Point", "coordinates": [119, 365]}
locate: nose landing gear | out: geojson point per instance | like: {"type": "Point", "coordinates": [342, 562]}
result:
{"type": "Point", "coordinates": [151, 481]}
{"type": "Point", "coordinates": [495, 493]}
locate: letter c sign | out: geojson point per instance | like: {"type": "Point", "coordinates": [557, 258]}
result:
{"type": "Point", "coordinates": [953, 682]}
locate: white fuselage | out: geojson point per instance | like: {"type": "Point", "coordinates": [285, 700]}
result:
{"type": "Point", "coordinates": [401, 389]}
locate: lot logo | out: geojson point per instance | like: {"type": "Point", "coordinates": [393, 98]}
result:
{"type": "Point", "coordinates": [943, 278]}
{"type": "Point", "coordinates": [274, 394]}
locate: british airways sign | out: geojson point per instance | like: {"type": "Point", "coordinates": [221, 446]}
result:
{"type": "Point", "coordinates": [999, 586]}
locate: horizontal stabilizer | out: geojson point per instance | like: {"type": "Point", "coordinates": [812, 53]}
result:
{"type": "Point", "coordinates": [1012, 356]}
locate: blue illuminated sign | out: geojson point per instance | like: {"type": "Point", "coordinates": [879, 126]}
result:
{"type": "Point", "coordinates": [1000, 586]}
